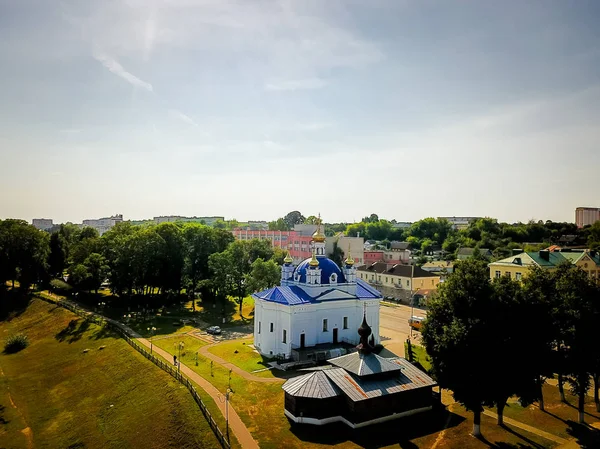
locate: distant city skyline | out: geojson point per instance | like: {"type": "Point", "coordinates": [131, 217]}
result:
{"type": "Point", "coordinates": [252, 109]}
{"type": "Point", "coordinates": [273, 218]}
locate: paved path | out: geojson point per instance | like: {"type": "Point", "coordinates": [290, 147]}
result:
{"type": "Point", "coordinates": [239, 429]}
{"type": "Point", "coordinates": [235, 423]}
{"type": "Point", "coordinates": [530, 429]}
{"type": "Point", "coordinates": [240, 372]}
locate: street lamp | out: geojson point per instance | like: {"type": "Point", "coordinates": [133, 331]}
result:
{"type": "Point", "coordinates": [151, 329]}
{"type": "Point", "coordinates": [226, 399]}
{"type": "Point", "coordinates": [181, 346]}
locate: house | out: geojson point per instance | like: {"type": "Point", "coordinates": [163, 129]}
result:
{"type": "Point", "coordinates": [588, 261]}
{"type": "Point", "coordinates": [359, 389]}
{"type": "Point", "coordinates": [439, 267]}
{"type": "Point", "coordinates": [399, 252]}
{"type": "Point", "coordinates": [467, 253]}
{"type": "Point", "coordinates": [398, 281]}
{"type": "Point", "coordinates": [518, 265]}
{"type": "Point", "coordinates": [316, 304]}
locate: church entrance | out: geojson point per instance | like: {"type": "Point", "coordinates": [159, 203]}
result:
{"type": "Point", "coordinates": [335, 335]}
{"type": "Point", "coordinates": [302, 341]}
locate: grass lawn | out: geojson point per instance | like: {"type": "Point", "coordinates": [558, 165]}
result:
{"type": "Point", "coordinates": [420, 357]}
{"type": "Point", "coordinates": [242, 355]}
{"type": "Point", "coordinates": [559, 418]}
{"type": "Point", "coordinates": [53, 394]}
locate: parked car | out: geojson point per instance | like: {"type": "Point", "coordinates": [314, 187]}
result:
{"type": "Point", "coordinates": [416, 322]}
{"type": "Point", "coordinates": [214, 330]}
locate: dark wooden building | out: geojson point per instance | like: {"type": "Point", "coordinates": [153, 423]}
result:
{"type": "Point", "coordinates": [359, 389]}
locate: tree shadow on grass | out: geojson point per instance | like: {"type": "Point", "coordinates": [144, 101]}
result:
{"type": "Point", "coordinates": [103, 332]}
{"type": "Point", "coordinates": [397, 432]}
{"type": "Point", "coordinates": [585, 412]}
{"type": "Point", "coordinates": [13, 303]}
{"type": "Point", "coordinates": [503, 445]}
{"type": "Point", "coordinates": [74, 330]}
{"type": "Point", "coordinates": [586, 436]}
{"type": "Point", "coordinates": [3, 420]}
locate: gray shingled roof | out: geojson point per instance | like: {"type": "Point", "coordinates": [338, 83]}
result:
{"type": "Point", "coordinates": [364, 365]}
{"type": "Point", "coordinates": [358, 389]}
{"type": "Point", "coordinates": [399, 245]}
{"type": "Point", "coordinates": [312, 385]}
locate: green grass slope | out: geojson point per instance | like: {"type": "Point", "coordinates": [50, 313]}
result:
{"type": "Point", "coordinates": [55, 394]}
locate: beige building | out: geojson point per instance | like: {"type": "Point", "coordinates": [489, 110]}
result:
{"type": "Point", "coordinates": [586, 216]}
{"type": "Point", "coordinates": [398, 281]}
{"type": "Point", "coordinates": [356, 245]}
{"type": "Point", "coordinates": [519, 265]}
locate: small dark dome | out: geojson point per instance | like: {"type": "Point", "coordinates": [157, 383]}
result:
{"type": "Point", "coordinates": [364, 330]}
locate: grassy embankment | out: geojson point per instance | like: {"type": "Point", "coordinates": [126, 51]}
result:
{"type": "Point", "coordinates": [53, 394]}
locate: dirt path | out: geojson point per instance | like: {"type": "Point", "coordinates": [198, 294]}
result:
{"type": "Point", "coordinates": [530, 429]}
{"type": "Point", "coordinates": [239, 429]}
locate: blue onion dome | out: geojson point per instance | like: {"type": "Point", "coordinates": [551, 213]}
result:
{"type": "Point", "coordinates": [327, 266]}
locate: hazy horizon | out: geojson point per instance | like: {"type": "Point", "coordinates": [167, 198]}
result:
{"type": "Point", "coordinates": [249, 110]}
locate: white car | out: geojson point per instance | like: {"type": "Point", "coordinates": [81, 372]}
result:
{"type": "Point", "coordinates": [215, 330]}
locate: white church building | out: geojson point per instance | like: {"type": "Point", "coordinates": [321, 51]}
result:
{"type": "Point", "coordinates": [316, 303]}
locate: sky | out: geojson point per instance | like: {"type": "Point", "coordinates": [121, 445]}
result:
{"type": "Point", "coordinates": [251, 109]}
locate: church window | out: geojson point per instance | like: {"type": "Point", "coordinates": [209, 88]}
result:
{"type": "Point", "coordinates": [325, 325]}
{"type": "Point", "coordinates": [407, 283]}
{"type": "Point", "coordinates": [386, 279]}
{"type": "Point", "coordinates": [284, 340]}
{"type": "Point", "coordinates": [271, 327]}
{"type": "Point", "coordinates": [345, 322]}
{"type": "Point", "coordinates": [259, 327]}
{"type": "Point", "coordinates": [333, 278]}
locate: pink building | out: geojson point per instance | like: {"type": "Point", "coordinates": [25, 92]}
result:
{"type": "Point", "coordinates": [297, 243]}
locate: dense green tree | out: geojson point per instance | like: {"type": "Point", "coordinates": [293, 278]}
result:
{"type": "Point", "coordinates": [279, 225]}
{"type": "Point", "coordinates": [23, 253]}
{"type": "Point", "coordinates": [79, 276]}
{"type": "Point", "coordinates": [97, 270]}
{"type": "Point", "coordinates": [57, 259]}
{"type": "Point", "coordinates": [293, 218]}
{"type": "Point", "coordinates": [337, 254]}
{"type": "Point", "coordinates": [311, 220]}
{"type": "Point", "coordinates": [456, 336]}
{"type": "Point", "coordinates": [263, 274]}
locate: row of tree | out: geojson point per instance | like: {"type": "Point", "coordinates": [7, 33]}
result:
{"type": "Point", "coordinates": [491, 340]}
{"type": "Point", "coordinates": [139, 260]}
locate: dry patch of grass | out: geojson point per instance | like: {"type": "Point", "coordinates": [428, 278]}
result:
{"type": "Point", "coordinates": [107, 396]}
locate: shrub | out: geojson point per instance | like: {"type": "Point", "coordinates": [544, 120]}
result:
{"type": "Point", "coordinates": [60, 286]}
{"type": "Point", "coordinates": [16, 343]}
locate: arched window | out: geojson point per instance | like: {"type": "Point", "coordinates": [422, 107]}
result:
{"type": "Point", "coordinates": [333, 278]}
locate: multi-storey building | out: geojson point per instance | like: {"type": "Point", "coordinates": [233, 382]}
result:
{"type": "Point", "coordinates": [209, 221]}
{"type": "Point", "coordinates": [42, 224]}
{"type": "Point", "coordinates": [398, 253]}
{"type": "Point", "coordinates": [103, 224]}
{"type": "Point", "coordinates": [461, 222]}
{"type": "Point", "coordinates": [296, 242]}
{"type": "Point", "coordinates": [586, 216]}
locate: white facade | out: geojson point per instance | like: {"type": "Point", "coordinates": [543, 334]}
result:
{"type": "Point", "coordinates": [272, 319]}
{"type": "Point", "coordinates": [42, 224]}
{"type": "Point", "coordinates": [316, 303]}
{"type": "Point", "coordinates": [585, 216]}
{"type": "Point", "coordinates": [103, 224]}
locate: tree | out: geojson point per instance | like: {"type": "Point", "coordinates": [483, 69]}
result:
{"type": "Point", "coordinates": [337, 254]}
{"type": "Point", "coordinates": [278, 225]}
{"type": "Point", "coordinates": [578, 298]}
{"type": "Point", "coordinates": [79, 276]}
{"type": "Point", "coordinates": [263, 275]}
{"type": "Point", "coordinates": [457, 338]}
{"type": "Point", "coordinates": [57, 260]}
{"type": "Point", "coordinates": [97, 270]}
{"type": "Point", "coordinates": [311, 220]}
{"type": "Point", "coordinates": [23, 253]}
{"type": "Point", "coordinates": [293, 218]}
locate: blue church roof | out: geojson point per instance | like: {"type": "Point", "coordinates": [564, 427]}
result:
{"type": "Point", "coordinates": [327, 266]}
{"type": "Point", "coordinates": [293, 295]}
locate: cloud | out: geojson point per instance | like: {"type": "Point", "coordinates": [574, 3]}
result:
{"type": "Point", "coordinates": [309, 83]}
{"type": "Point", "coordinates": [113, 66]}
{"type": "Point", "coordinates": [183, 117]}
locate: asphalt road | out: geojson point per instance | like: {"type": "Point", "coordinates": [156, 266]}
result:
{"type": "Point", "coordinates": [394, 329]}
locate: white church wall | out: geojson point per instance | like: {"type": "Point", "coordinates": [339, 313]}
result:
{"type": "Point", "coordinates": [308, 319]}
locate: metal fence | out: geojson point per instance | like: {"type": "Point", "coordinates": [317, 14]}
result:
{"type": "Point", "coordinates": [101, 321]}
